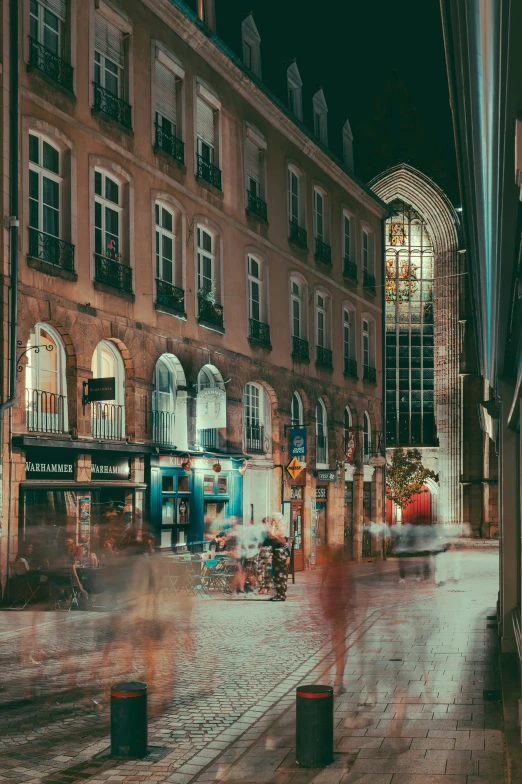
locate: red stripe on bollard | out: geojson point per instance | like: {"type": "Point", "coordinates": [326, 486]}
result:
{"type": "Point", "coordinates": [313, 695]}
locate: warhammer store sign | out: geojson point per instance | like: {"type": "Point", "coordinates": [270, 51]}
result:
{"type": "Point", "coordinates": [59, 464]}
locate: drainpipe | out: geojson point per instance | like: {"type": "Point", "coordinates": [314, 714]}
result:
{"type": "Point", "coordinates": [13, 237]}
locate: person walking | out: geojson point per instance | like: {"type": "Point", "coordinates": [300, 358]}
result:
{"type": "Point", "coordinates": [264, 566]}
{"type": "Point", "coordinates": [280, 556]}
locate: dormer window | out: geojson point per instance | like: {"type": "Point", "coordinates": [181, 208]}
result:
{"type": "Point", "coordinates": [251, 46]}
{"type": "Point", "coordinates": [295, 91]}
{"type": "Point", "coordinates": [320, 110]}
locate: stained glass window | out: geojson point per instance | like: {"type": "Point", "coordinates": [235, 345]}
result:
{"type": "Point", "coordinates": [409, 329]}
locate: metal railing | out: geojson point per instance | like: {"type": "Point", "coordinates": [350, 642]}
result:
{"type": "Point", "coordinates": [259, 332]}
{"type": "Point", "coordinates": [350, 367]}
{"type": "Point", "coordinates": [255, 439]}
{"type": "Point", "coordinates": [369, 282]}
{"type": "Point", "coordinates": [41, 58]}
{"type": "Point", "coordinates": [109, 104]}
{"type": "Point", "coordinates": [107, 421]}
{"type": "Point", "coordinates": [300, 348]}
{"type": "Point", "coordinates": [257, 206]}
{"type": "Point", "coordinates": [349, 269]}
{"type": "Point", "coordinates": [113, 273]}
{"type": "Point", "coordinates": [323, 357]}
{"type": "Point", "coordinates": [210, 312]}
{"type": "Point", "coordinates": [170, 144]}
{"type": "Point", "coordinates": [50, 249]}
{"type": "Point", "coordinates": [323, 251]}
{"type": "Point", "coordinates": [208, 438]}
{"type": "Point", "coordinates": [44, 411]}
{"type": "Point", "coordinates": [297, 235]}
{"type": "Point", "coordinates": [208, 172]}
{"type": "Point", "coordinates": [369, 374]}
{"type": "Point", "coordinates": [321, 452]}
{"type": "Point", "coordinates": [170, 296]}
{"type": "Point", "coordinates": [163, 423]}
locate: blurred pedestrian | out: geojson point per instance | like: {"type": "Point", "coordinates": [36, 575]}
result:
{"type": "Point", "coordinates": [337, 603]}
{"type": "Point", "coordinates": [280, 556]}
{"type": "Point", "coordinates": [265, 559]}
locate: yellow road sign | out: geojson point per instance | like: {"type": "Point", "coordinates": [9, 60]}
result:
{"type": "Point", "coordinates": [294, 467]}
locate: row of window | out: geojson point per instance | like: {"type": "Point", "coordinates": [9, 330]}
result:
{"type": "Point", "coordinates": [110, 79]}
{"type": "Point", "coordinates": [46, 401]}
{"type": "Point", "coordinates": [47, 217]}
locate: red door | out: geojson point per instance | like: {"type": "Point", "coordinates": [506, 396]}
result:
{"type": "Point", "coordinates": [418, 510]}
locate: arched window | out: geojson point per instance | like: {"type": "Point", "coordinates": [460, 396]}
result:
{"type": "Point", "coordinates": [349, 353]}
{"type": "Point", "coordinates": [112, 204]}
{"type": "Point", "coordinates": [107, 216]}
{"type": "Point", "coordinates": [347, 424]}
{"type": "Point", "coordinates": [296, 410]}
{"type": "Point", "coordinates": [323, 338]}
{"type": "Point", "coordinates": [367, 437]}
{"type": "Point", "coordinates": [321, 434]}
{"type": "Point", "coordinates": [164, 243]}
{"type": "Point", "coordinates": [108, 418]}
{"type": "Point", "coordinates": [46, 388]}
{"type": "Point", "coordinates": [169, 403]}
{"type": "Point", "coordinates": [296, 207]}
{"type": "Point", "coordinates": [298, 317]}
{"type": "Point", "coordinates": [257, 419]}
{"type": "Point", "coordinates": [258, 326]}
{"type": "Point", "coordinates": [368, 349]}
{"type": "Point", "coordinates": [211, 408]}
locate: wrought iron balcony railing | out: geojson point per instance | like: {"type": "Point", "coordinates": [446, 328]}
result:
{"type": "Point", "coordinates": [208, 172]}
{"type": "Point", "coordinates": [323, 252]}
{"type": "Point", "coordinates": [369, 282]}
{"type": "Point", "coordinates": [257, 206]}
{"type": "Point", "coordinates": [255, 439]}
{"type": "Point", "coordinates": [259, 332]}
{"type": "Point", "coordinates": [323, 357]}
{"type": "Point", "coordinates": [163, 423]}
{"type": "Point", "coordinates": [300, 348]}
{"type": "Point", "coordinates": [50, 249]}
{"type": "Point", "coordinates": [350, 367]}
{"type": "Point", "coordinates": [210, 312]}
{"type": "Point", "coordinates": [107, 421]}
{"type": "Point", "coordinates": [109, 104]}
{"type": "Point", "coordinates": [44, 411]}
{"type": "Point", "coordinates": [369, 374]}
{"type": "Point", "coordinates": [41, 58]}
{"type": "Point", "coordinates": [170, 144]}
{"type": "Point", "coordinates": [321, 452]}
{"type": "Point", "coordinates": [170, 296]}
{"type": "Point", "coordinates": [297, 235]}
{"type": "Point", "coordinates": [350, 269]}
{"type": "Point", "coordinates": [113, 273]}
{"type": "Point", "coordinates": [208, 438]}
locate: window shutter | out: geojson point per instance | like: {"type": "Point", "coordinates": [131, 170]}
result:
{"type": "Point", "coordinates": [253, 160]}
{"type": "Point", "coordinates": [58, 7]}
{"type": "Point", "coordinates": [205, 122]}
{"type": "Point", "coordinates": [165, 92]}
{"type": "Point", "coordinates": [108, 40]}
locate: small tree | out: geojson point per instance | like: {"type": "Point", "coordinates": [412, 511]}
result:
{"type": "Point", "coordinates": [405, 476]}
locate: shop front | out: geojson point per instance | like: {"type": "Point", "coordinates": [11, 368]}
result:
{"type": "Point", "coordinates": [318, 537]}
{"type": "Point", "coordinates": [192, 499]}
{"type": "Point", "coordinates": [87, 496]}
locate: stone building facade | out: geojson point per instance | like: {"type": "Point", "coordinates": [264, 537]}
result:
{"type": "Point", "coordinates": [433, 384]}
{"type": "Point", "coordinates": [182, 232]}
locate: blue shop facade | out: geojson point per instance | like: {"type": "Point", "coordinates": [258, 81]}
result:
{"type": "Point", "coordinates": [193, 498]}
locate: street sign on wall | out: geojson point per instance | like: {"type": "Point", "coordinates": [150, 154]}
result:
{"type": "Point", "coordinates": [326, 476]}
{"type": "Point", "coordinates": [294, 467]}
{"type": "Point", "coordinates": [297, 442]}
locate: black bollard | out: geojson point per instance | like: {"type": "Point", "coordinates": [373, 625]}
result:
{"type": "Point", "coordinates": [314, 726]}
{"type": "Point", "coordinates": [129, 720]}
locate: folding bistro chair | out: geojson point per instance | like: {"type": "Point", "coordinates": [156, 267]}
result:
{"type": "Point", "coordinates": [202, 582]}
{"type": "Point", "coordinates": [21, 592]}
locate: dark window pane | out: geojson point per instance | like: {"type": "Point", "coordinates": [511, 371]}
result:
{"type": "Point", "coordinates": [111, 190]}
{"type": "Point", "coordinates": [429, 429]}
{"type": "Point", "coordinates": [98, 183]}
{"type": "Point", "coordinates": [33, 148]}
{"type": "Point", "coordinates": [51, 158]}
{"type": "Point", "coordinates": [416, 429]}
{"type": "Point", "coordinates": [404, 428]}
{"type": "Point", "coordinates": [33, 185]}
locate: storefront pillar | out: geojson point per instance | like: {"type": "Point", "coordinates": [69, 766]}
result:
{"type": "Point", "coordinates": [358, 487]}
{"type": "Point", "coordinates": [82, 420]}
{"type": "Point", "coordinates": [510, 568]}
{"type": "Point", "coordinates": [309, 505]}
{"type": "Point", "coordinates": [82, 468]}
{"type": "Point", "coordinates": [235, 424]}
{"type": "Point", "coordinates": [191, 419]}
{"type": "Point", "coordinates": [335, 513]}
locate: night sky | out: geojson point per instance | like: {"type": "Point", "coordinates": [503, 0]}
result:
{"type": "Point", "coordinates": [380, 64]}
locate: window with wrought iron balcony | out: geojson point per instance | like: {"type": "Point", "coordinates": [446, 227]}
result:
{"type": "Point", "coordinates": [47, 34]}
{"type": "Point", "coordinates": [297, 235]}
{"type": "Point", "coordinates": [168, 90]}
{"type": "Point", "coordinates": [167, 141]}
{"type": "Point", "coordinates": [323, 252]}
{"type": "Point", "coordinates": [255, 155]}
{"type": "Point", "coordinates": [324, 357]}
{"type": "Point", "coordinates": [369, 282]}
{"type": "Point", "coordinates": [207, 142]}
{"type": "Point", "coordinates": [349, 269]}
{"type": "Point", "coordinates": [47, 219]}
{"type": "Point", "coordinates": [108, 417]}
{"type": "Point", "coordinates": [45, 381]}
{"type": "Point", "coordinates": [369, 374]}
{"type": "Point", "coordinates": [169, 297]}
{"type": "Point", "coordinates": [110, 267]}
{"type": "Point", "coordinates": [255, 438]}
{"type": "Point", "coordinates": [110, 74]}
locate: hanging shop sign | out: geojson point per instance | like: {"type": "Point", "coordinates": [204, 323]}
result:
{"type": "Point", "coordinates": [294, 467]}
{"type": "Point", "coordinates": [49, 464]}
{"type": "Point", "coordinates": [96, 389]}
{"type": "Point", "coordinates": [211, 408]}
{"type": "Point", "coordinates": [107, 468]}
{"type": "Point", "coordinates": [298, 442]}
{"type": "Point", "coordinates": [349, 450]}
{"type": "Point", "coordinates": [326, 476]}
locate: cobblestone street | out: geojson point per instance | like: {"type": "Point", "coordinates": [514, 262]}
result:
{"type": "Point", "coordinates": [416, 709]}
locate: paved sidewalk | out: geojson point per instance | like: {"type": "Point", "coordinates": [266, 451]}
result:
{"type": "Point", "coordinates": [420, 719]}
